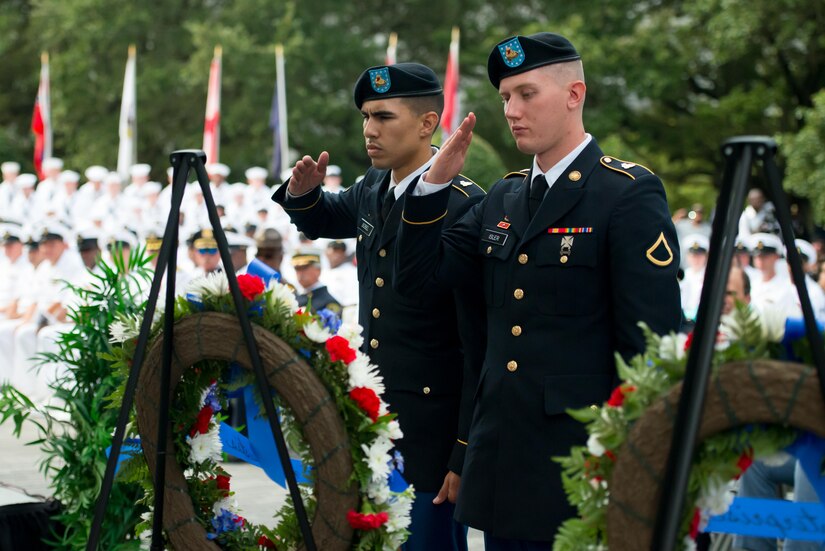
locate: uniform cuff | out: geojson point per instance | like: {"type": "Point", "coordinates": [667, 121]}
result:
{"type": "Point", "coordinates": [456, 462]}
{"type": "Point", "coordinates": [426, 209]}
{"type": "Point", "coordinates": [302, 202]}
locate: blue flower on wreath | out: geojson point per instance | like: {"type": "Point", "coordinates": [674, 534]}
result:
{"type": "Point", "coordinates": [227, 521]}
{"type": "Point", "coordinates": [211, 398]}
{"type": "Point", "coordinates": [329, 320]}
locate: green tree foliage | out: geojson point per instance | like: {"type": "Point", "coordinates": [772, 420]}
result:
{"type": "Point", "coordinates": [668, 81]}
{"type": "Point", "coordinates": [805, 152]}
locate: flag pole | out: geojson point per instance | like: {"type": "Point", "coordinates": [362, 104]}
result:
{"type": "Point", "coordinates": [283, 133]}
{"type": "Point", "coordinates": [46, 107]}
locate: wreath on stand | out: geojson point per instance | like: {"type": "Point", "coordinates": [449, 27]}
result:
{"type": "Point", "coordinates": [755, 409]}
{"type": "Point", "coordinates": [329, 399]}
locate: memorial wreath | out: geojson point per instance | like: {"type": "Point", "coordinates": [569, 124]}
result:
{"type": "Point", "coordinates": [349, 493]}
{"type": "Point", "coordinates": [755, 409]}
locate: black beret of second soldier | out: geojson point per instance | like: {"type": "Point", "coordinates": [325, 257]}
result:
{"type": "Point", "coordinates": [519, 54]}
{"type": "Point", "coordinates": [402, 80]}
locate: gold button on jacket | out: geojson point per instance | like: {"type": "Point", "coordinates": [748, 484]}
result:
{"type": "Point", "coordinates": [516, 330]}
{"type": "Point", "coordinates": [376, 313]}
{"type": "Point", "coordinates": [379, 282]}
{"type": "Point", "coordinates": [519, 294]}
{"type": "Point", "coordinates": [512, 365]}
{"type": "Point", "coordinates": [374, 343]}
{"type": "Point", "coordinates": [522, 258]}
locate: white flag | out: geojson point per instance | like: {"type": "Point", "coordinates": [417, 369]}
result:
{"type": "Point", "coordinates": [127, 129]}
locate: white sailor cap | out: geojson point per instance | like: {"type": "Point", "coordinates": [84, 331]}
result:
{"type": "Point", "coordinates": [151, 187]}
{"type": "Point", "coordinates": [25, 181]}
{"type": "Point", "coordinates": [52, 163]}
{"type": "Point", "coordinates": [96, 173]}
{"type": "Point", "coordinates": [69, 176]}
{"type": "Point", "coordinates": [765, 243]}
{"type": "Point", "coordinates": [256, 173]}
{"type": "Point", "coordinates": [141, 170]}
{"type": "Point", "coordinates": [114, 178]}
{"type": "Point", "coordinates": [741, 245]}
{"type": "Point", "coordinates": [805, 249]}
{"type": "Point", "coordinates": [10, 166]}
{"type": "Point", "coordinates": [88, 239]}
{"type": "Point", "coordinates": [218, 168]}
{"type": "Point", "coordinates": [696, 243]}
{"type": "Point", "coordinates": [53, 230]}
{"type": "Point", "coordinates": [333, 170]}
{"type": "Point", "coordinates": [123, 238]}
{"type": "Point", "coordinates": [9, 232]}
{"type": "Point", "coordinates": [236, 240]}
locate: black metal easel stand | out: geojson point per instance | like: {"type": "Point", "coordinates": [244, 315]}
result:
{"type": "Point", "coordinates": [740, 153]}
{"type": "Point", "coordinates": [182, 162]}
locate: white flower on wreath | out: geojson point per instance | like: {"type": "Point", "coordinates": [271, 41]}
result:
{"type": "Point", "coordinates": [352, 332]}
{"type": "Point", "coordinates": [316, 332]}
{"type": "Point", "coordinates": [228, 503]}
{"type": "Point", "coordinates": [672, 347]}
{"type": "Point", "coordinates": [378, 491]}
{"type": "Point", "coordinates": [205, 446]}
{"type": "Point", "coordinates": [378, 458]}
{"type": "Point", "coordinates": [391, 430]}
{"type": "Point", "coordinates": [715, 496]}
{"type": "Point", "coordinates": [690, 544]}
{"type": "Point", "coordinates": [400, 506]}
{"type": "Point", "coordinates": [364, 374]}
{"type": "Point", "coordinates": [594, 446]}
{"type": "Point", "coordinates": [282, 295]}
{"type": "Point", "coordinates": [124, 328]}
{"type": "Point", "coordinates": [776, 459]}
{"type": "Point", "coordinates": [214, 284]}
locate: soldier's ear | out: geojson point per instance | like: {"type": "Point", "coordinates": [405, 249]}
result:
{"type": "Point", "coordinates": [576, 93]}
{"type": "Point", "coordinates": [428, 123]}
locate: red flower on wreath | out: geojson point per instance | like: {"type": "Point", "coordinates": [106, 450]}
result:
{"type": "Point", "coordinates": [367, 400]}
{"type": "Point", "coordinates": [369, 521]}
{"type": "Point", "coordinates": [618, 395]}
{"type": "Point", "coordinates": [266, 543]}
{"type": "Point", "coordinates": [201, 425]}
{"type": "Point", "coordinates": [688, 341]}
{"type": "Point", "coordinates": [694, 523]}
{"type": "Point", "coordinates": [744, 462]}
{"type": "Point", "coordinates": [250, 285]}
{"type": "Point", "coordinates": [339, 349]}
{"type": "Point", "coordinates": [222, 482]}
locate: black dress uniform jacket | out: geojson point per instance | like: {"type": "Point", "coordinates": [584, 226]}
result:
{"type": "Point", "coordinates": [429, 349]}
{"type": "Point", "coordinates": [563, 292]}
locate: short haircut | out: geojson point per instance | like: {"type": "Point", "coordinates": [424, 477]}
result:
{"type": "Point", "coordinates": [567, 71]}
{"type": "Point", "coordinates": [424, 104]}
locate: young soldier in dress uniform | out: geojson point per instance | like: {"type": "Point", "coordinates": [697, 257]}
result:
{"type": "Point", "coordinates": [575, 252]}
{"type": "Point", "coordinates": [428, 349]}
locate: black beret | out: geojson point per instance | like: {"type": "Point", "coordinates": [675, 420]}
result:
{"type": "Point", "coordinates": [396, 81]}
{"type": "Point", "coordinates": [519, 54]}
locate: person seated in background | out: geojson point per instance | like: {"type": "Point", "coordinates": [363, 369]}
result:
{"type": "Point", "coordinates": [307, 264]}
{"type": "Point", "coordinates": [207, 259]}
{"type": "Point", "coordinates": [696, 251]}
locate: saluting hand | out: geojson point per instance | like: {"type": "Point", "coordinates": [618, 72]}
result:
{"type": "Point", "coordinates": [450, 158]}
{"type": "Point", "coordinates": [307, 174]}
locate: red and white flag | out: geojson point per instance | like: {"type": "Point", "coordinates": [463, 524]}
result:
{"type": "Point", "coordinates": [212, 122]}
{"type": "Point", "coordinates": [42, 118]}
{"type": "Point", "coordinates": [391, 46]}
{"type": "Point", "coordinates": [450, 117]}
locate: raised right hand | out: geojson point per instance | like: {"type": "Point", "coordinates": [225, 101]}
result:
{"type": "Point", "coordinates": [307, 174]}
{"type": "Point", "coordinates": [450, 158]}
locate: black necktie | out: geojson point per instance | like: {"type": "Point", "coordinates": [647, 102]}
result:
{"type": "Point", "coordinates": [537, 190]}
{"type": "Point", "coordinates": [389, 201]}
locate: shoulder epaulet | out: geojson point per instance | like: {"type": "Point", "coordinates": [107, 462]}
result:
{"type": "Point", "coordinates": [467, 187]}
{"type": "Point", "coordinates": [520, 174]}
{"type": "Point", "coordinates": [631, 170]}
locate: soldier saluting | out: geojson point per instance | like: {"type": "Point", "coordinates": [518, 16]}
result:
{"type": "Point", "coordinates": [575, 251]}
{"type": "Point", "coordinates": [428, 349]}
